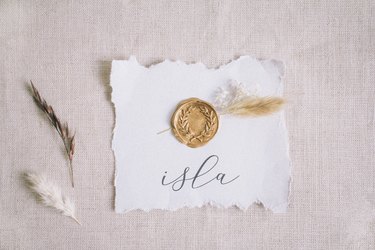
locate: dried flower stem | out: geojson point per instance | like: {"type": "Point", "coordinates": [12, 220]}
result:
{"type": "Point", "coordinates": [50, 195]}
{"type": "Point", "coordinates": [163, 131]}
{"type": "Point", "coordinates": [61, 128]}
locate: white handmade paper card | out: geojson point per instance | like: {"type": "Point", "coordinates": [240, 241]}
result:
{"type": "Point", "coordinates": [245, 162]}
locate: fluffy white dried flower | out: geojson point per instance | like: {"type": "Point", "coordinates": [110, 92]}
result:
{"type": "Point", "coordinates": [232, 93]}
{"type": "Point", "coordinates": [50, 195]}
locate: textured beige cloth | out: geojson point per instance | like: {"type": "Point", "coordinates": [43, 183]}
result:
{"type": "Point", "coordinates": [66, 47]}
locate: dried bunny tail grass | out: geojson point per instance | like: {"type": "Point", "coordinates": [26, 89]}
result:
{"type": "Point", "coordinates": [254, 106]}
{"type": "Point", "coordinates": [62, 128]}
{"type": "Point", "coordinates": [50, 195]}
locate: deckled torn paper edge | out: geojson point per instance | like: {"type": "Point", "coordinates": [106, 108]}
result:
{"type": "Point", "coordinates": [281, 208]}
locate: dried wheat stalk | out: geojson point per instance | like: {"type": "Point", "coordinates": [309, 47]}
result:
{"type": "Point", "coordinates": [62, 128]}
{"type": "Point", "coordinates": [254, 106]}
{"type": "Point", "coordinates": [50, 195]}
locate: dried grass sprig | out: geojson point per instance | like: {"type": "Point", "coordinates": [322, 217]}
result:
{"type": "Point", "coordinates": [236, 99]}
{"type": "Point", "coordinates": [254, 106]}
{"type": "Point", "coordinates": [50, 195]}
{"type": "Point", "coordinates": [66, 135]}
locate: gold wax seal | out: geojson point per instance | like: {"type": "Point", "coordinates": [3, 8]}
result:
{"type": "Point", "coordinates": [195, 122]}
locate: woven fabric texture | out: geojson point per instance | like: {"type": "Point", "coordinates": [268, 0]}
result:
{"type": "Point", "coordinates": [66, 48]}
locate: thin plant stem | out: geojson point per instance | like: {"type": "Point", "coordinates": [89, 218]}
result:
{"type": "Point", "coordinates": [163, 131]}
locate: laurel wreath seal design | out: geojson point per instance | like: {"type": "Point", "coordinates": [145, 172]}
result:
{"type": "Point", "coordinates": [184, 126]}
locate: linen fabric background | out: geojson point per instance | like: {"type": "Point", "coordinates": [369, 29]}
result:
{"type": "Point", "coordinates": [66, 48]}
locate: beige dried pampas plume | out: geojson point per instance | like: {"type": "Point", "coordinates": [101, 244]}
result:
{"type": "Point", "coordinates": [254, 106]}
{"type": "Point", "coordinates": [50, 195]}
{"type": "Point", "coordinates": [236, 99]}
